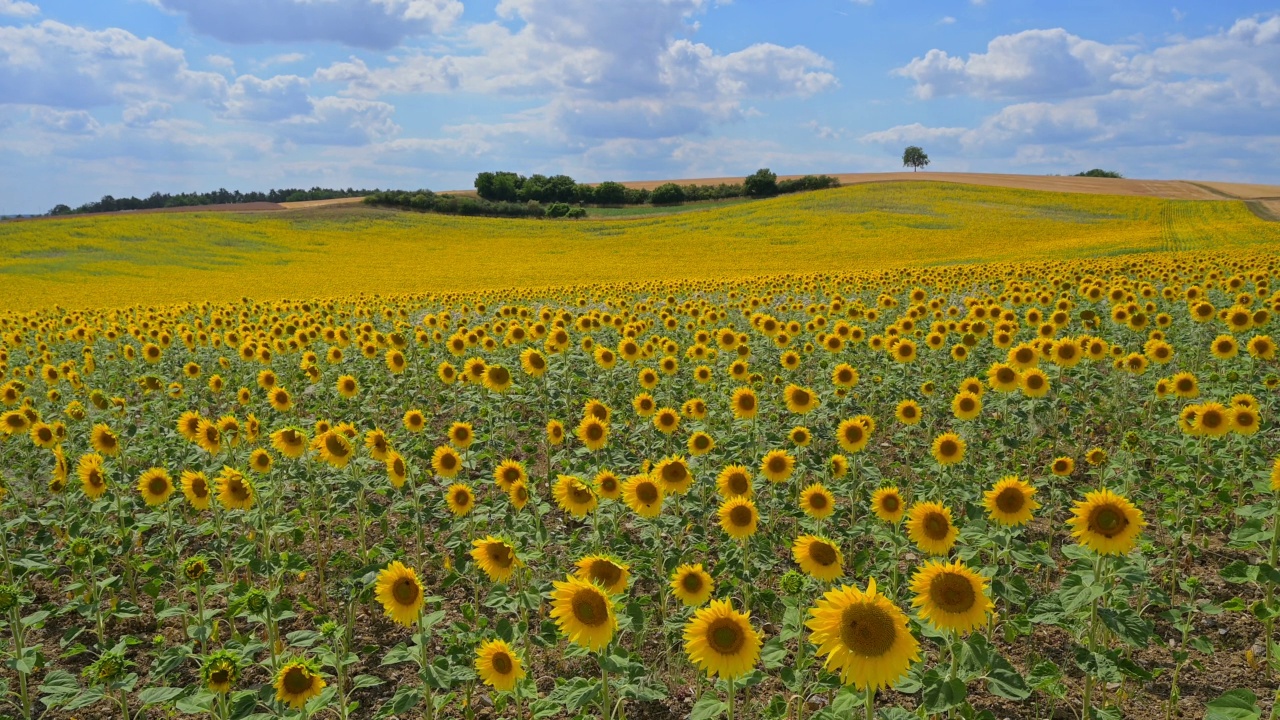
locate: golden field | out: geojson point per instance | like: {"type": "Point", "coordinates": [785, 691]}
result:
{"type": "Point", "coordinates": [161, 258]}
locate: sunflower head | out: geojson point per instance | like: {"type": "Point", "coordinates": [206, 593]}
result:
{"type": "Point", "coordinates": [460, 499]}
{"type": "Point", "coordinates": [1107, 523]}
{"type": "Point", "coordinates": [496, 557]}
{"type": "Point", "coordinates": [607, 572]}
{"type": "Point", "coordinates": [951, 596]}
{"type": "Point", "coordinates": [818, 557]}
{"type": "Point", "coordinates": [739, 517]}
{"type": "Point", "coordinates": [817, 501]}
{"type": "Point", "coordinates": [888, 505]}
{"type": "Point", "coordinates": [721, 641]}
{"type": "Point", "coordinates": [297, 681]}
{"type": "Point", "coordinates": [777, 465]}
{"type": "Point", "coordinates": [1010, 502]}
{"type": "Point", "coordinates": [398, 589]}
{"type": "Point", "coordinates": [863, 635]}
{"type": "Point", "coordinates": [584, 613]}
{"type": "Point", "coordinates": [929, 526]}
{"type": "Point", "coordinates": [692, 585]}
{"type": "Point", "coordinates": [498, 665]}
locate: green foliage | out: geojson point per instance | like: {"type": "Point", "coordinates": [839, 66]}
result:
{"type": "Point", "coordinates": [1099, 173]}
{"type": "Point", "coordinates": [914, 157]}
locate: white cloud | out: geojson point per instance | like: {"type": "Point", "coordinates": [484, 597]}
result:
{"type": "Point", "coordinates": [276, 98]}
{"type": "Point", "coordinates": [221, 61]}
{"type": "Point", "coordinates": [341, 121]}
{"type": "Point", "coordinates": [947, 20]}
{"type": "Point", "coordinates": [70, 67]}
{"type": "Point", "coordinates": [144, 114]}
{"type": "Point", "coordinates": [374, 24]}
{"type": "Point", "coordinates": [18, 8]}
{"type": "Point", "coordinates": [824, 132]}
{"type": "Point", "coordinates": [69, 122]}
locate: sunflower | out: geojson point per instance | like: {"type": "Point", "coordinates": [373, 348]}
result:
{"type": "Point", "coordinates": [966, 406]}
{"type": "Point", "coordinates": [800, 436]}
{"type": "Point", "coordinates": [607, 572]}
{"type": "Point", "coordinates": [14, 422]}
{"type": "Point", "coordinates": [817, 501]}
{"type": "Point", "coordinates": [1224, 347]}
{"type": "Point", "coordinates": [1275, 475]}
{"type": "Point", "coordinates": [1062, 466]}
{"type": "Point", "coordinates": [260, 461]}
{"type": "Point", "coordinates": [643, 495]}
{"type": "Point", "coordinates": [818, 557]}
{"type": "Point", "coordinates": [280, 399]}
{"type": "Point", "coordinates": [43, 436]}
{"type": "Point", "coordinates": [446, 461]}
{"type": "Point", "coordinates": [777, 466]}
{"type": "Point", "coordinates": [400, 593]}
{"type": "Point", "coordinates": [555, 432]}
{"type": "Point", "coordinates": [864, 636]}
{"type": "Point", "coordinates": [93, 476]}
{"type": "Point", "coordinates": [573, 496]}
{"type": "Point", "coordinates": [844, 375]}
{"type": "Point", "coordinates": [745, 404]}
{"type": "Point", "coordinates": [908, 412]}
{"type": "Point", "coordinates": [948, 449]}
{"type": "Point", "coordinates": [1010, 501]}
{"type": "Point", "coordinates": [235, 491]}
{"type": "Point", "coordinates": [1003, 377]}
{"type": "Point", "coordinates": [156, 486]}
{"type": "Point", "coordinates": [720, 641]}
{"type": "Point", "coordinates": [887, 504]}
{"type": "Point", "coordinates": [473, 371]}
{"type": "Point", "coordinates": [1244, 420]}
{"type": "Point", "coordinates": [593, 432]}
{"type": "Point", "coordinates": [666, 420]}
{"type": "Point", "coordinates": [1185, 385]}
{"type": "Point", "coordinates": [220, 671]}
{"type": "Point", "coordinates": [508, 473]}
{"type": "Point", "coordinates": [447, 373]}
{"type": "Point", "coordinates": [1096, 456]}
{"type": "Point", "coordinates": [297, 681]}
{"type": "Point", "coordinates": [607, 485]}
{"type": "Point", "coordinates": [414, 421]}
{"type": "Point", "coordinates": [644, 405]}
{"type": "Point", "coordinates": [533, 362]}
{"type": "Point", "coordinates": [334, 448]}
{"type": "Point", "coordinates": [1262, 347]}
{"type": "Point", "coordinates": [852, 435]}
{"type": "Point", "coordinates": [519, 495]}
{"type": "Point", "coordinates": [347, 386]}
{"type": "Point", "coordinates": [1106, 522]}
{"type": "Point", "coordinates": [189, 425]}
{"type": "Point", "coordinates": [496, 557]}
{"type": "Point", "coordinates": [1034, 382]}
{"type": "Point", "coordinates": [950, 596]}
{"type": "Point", "coordinates": [692, 585]}
{"type": "Point", "coordinates": [1213, 420]}
{"type": "Point", "coordinates": [673, 472]}
{"type": "Point", "coordinates": [929, 526]}
{"type": "Point", "coordinates": [738, 517]}
{"type": "Point", "coordinates": [497, 378]}
{"type": "Point", "coordinates": [839, 465]}
{"type": "Point", "coordinates": [800, 400]}
{"type": "Point", "coordinates": [195, 486]}
{"type": "Point", "coordinates": [460, 499]}
{"type": "Point", "coordinates": [289, 442]}
{"type": "Point", "coordinates": [584, 613]}
{"type": "Point", "coordinates": [397, 470]}
{"type": "Point", "coordinates": [734, 480]}
{"type": "Point", "coordinates": [461, 435]}
{"type": "Point", "coordinates": [105, 440]}
{"type": "Point", "coordinates": [700, 443]}
{"type": "Point", "coordinates": [498, 666]}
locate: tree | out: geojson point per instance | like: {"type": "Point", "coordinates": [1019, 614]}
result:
{"type": "Point", "coordinates": [1100, 173]}
{"type": "Point", "coordinates": [667, 194]}
{"type": "Point", "coordinates": [610, 193]}
{"type": "Point", "coordinates": [761, 183]}
{"type": "Point", "coordinates": [914, 157]}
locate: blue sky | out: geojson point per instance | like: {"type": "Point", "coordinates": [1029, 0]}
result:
{"type": "Point", "coordinates": [125, 97]}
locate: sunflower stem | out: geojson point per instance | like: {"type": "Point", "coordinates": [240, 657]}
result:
{"type": "Point", "coordinates": [871, 702]}
{"type": "Point", "coordinates": [730, 699]}
{"type": "Point", "coordinates": [606, 710]}
{"type": "Point", "coordinates": [1270, 593]}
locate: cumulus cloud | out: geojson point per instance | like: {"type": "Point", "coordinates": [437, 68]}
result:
{"type": "Point", "coordinates": [341, 121]}
{"type": "Point", "coordinates": [70, 122]}
{"type": "Point", "coordinates": [18, 8]}
{"type": "Point", "coordinates": [71, 67]}
{"type": "Point", "coordinates": [372, 24]}
{"type": "Point", "coordinates": [276, 98]}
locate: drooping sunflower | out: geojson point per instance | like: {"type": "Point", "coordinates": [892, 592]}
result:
{"type": "Point", "coordinates": [674, 474]}
{"type": "Point", "coordinates": [297, 681]}
{"type": "Point", "coordinates": [644, 495]}
{"type": "Point", "coordinates": [839, 465]}
{"type": "Point", "coordinates": [738, 517]}
{"type": "Point", "coordinates": [220, 671]}
{"type": "Point", "coordinates": [400, 592]}
{"type": "Point", "coordinates": [573, 496]}
{"type": "Point", "coordinates": [104, 440]}
{"type": "Point", "coordinates": [1010, 502]}
{"type": "Point", "coordinates": [496, 557]}
{"type": "Point", "coordinates": [584, 613]}
{"type": "Point", "coordinates": [929, 526]}
{"type": "Point", "coordinates": [593, 432]}
{"type": "Point", "coordinates": [1106, 522]}
{"type": "Point", "coordinates": [800, 400]}
{"type": "Point", "coordinates": [195, 486]}
{"type": "Point", "coordinates": [888, 505]}
{"type": "Point", "coordinates": [498, 666]}
{"type": "Point", "coordinates": [745, 404]}
{"type": "Point", "coordinates": [290, 442]}
{"type": "Point", "coordinates": [852, 435]}
{"type": "Point", "coordinates": [817, 501]}
{"type": "Point", "coordinates": [721, 641]}
{"type": "Point", "coordinates": [950, 596]}
{"type": "Point", "coordinates": [460, 499]}
{"type": "Point", "coordinates": [156, 486]}
{"type": "Point", "coordinates": [508, 473]}
{"type": "Point", "coordinates": [93, 476]}
{"type": "Point", "coordinates": [948, 449]}
{"type": "Point", "coordinates": [461, 435]}
{"type": "Point", "coordinates": [446, 462]}
{"type": "Point", "coordinates": [235, 491]}
{"type": "Point", "coordinates": [777, 466]}
{"type": "Point", "coordinates": [692, 585]}
{"type": "Point", "coordinates": [607, 572]}
{"type": "Point", "coordinates": [818, 557]}
{"type": "Point", "coordinates": [864, 636]}
{"type": "Point", "coordinates": [734, 480]}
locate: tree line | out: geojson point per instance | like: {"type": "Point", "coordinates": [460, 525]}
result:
{"type": "Point", "coordinates": [510, 187]}
{"type": "Point", "coordinates": [427, 201]}
{"type": "Point", "coordinates": [221, 196]}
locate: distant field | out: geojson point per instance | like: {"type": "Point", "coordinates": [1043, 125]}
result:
{"type": "Point", "coordinates": [161, 258]}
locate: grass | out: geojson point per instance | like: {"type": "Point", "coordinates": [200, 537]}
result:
{"type": "Point", "coordinates": [162, 258]}
{"type": "Point", "coordinates": [649, 210]}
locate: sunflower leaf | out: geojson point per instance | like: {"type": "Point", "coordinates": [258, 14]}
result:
{"type": "Point", "coordinates": [1233, 705]}
{"type": "Point", "coordinates": [708, 707]}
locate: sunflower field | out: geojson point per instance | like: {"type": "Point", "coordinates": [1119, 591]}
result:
{"type": "Point", "coordinates": [1005, 490]}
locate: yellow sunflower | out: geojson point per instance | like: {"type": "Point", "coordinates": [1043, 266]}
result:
{"type": "Point", "coordinates": [105, 440]}
{"type": "Point", "coordinates": [817, 501]}
{"type": "Point", "coordinates": [446, 462]}
{"type": "Point", "coordinates": [607, 572]}
{"type": "Point", "coordinates": [414, 421]}
{"type": "Point", "coordinates": [93, 476]}
{"type": "Point", "coordinates": [734, 480]}
{"type": "Point", "coordinates": [555, 432]}
{"type": "Point", "coordinates": [674, 474]}
{"type": "Point", "coordinates": [800, 400]}
{"type": "Point", "coordinates": [334, 448]}
{"type": "Point", "coordinates": [156, 486]}
{"type": "Point", "coordinates": [260, 461]}
{"type": "Point", "coordinates": [819, 557]}
{"type": "Point", "coordinates": [508, 473]}
{"type": "Point", "coordinates": [888, 505]}
{"type": "Point", "coordinates": [1010, 502]}
{"type": "Point", "coordinates": [864, 636]}
{"type": "Point", "coordinates": [584, 613]}
{"type": "Point", "coordinates": [1062, 466]}
{"type": "Point", "coordinates": [397, 470]}
{"type": "Point", "coordinates": [289, 442]}
{"type": "Point", "coordinates": [777, 465]}
{"type": "Point", "coordinates": [235, 491]}
{"type": "Point", "coordinates": [348, 387]}
{"type": "Point", "coordinates": [496, 557]}
{"type": "Point", "coordinates": [400, 593]}
{"type": "Point", "coordinates": [908, 412]}
{"type": "Point", "coordinates": [929, 526]}
{"type": "Point", "coordinates": [593, 432]}
{"type": "Point", "coordinates": [1034, 383]}
{"type": "Point", "coordinates": [700, 443]}
{"type": "Point", "coordinates": [573, 496]}
{"type": "Point", "coordinates": [738, 517]}
{"type": "Point", "coordinates": [643, 495]}
{"type": "Point", "coordinates": [692, 585]}
{"type": "Point", "coordinates": [966, 406]}
{"type": "Point", "coordinates": [195, 486]}
{"type": "Point", "coordinates": [950, 596]}
{"type": "Point", "coordinates": [1106, 522]}
{"type": "Point", "coordinates": [744, 403]}
{"type": "Point", "coordinates": [948, 449]}
{"type": "Point", "coordinates": [720, 641]}
{"type": "Point", "coordinates": [666, 420]}
{"type": "Point", "coordinates": [461, 435]}
{"type": "Point", "coordinates": [852, 435]}
{"type": "Point", "coordinates": [297, 681]}
{"type": "Point", "coordinates": [460, 499]}
{"type": "Point", "coordinates": [498, 666]}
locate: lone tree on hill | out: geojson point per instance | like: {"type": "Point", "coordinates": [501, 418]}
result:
{"type": "Point", "coordinates": [914, 157]}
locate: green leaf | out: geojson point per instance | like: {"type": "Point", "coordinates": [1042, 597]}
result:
{"type": "Point", "coordinates": [773, 653]}
{"type": "Point", "coordinates": [85, 699]}
{"type": "Point", "coordinates": [1076, 593]}
{"type": "Point", "coordinates": [1127, 624]}
{"type": "Point", "coordinates": [364, 681]}
{"type": "Point", "coordinates": [1239, 572]}
{"type": "Point", "coordinates": [406, 698]}
{"type": "Point", "coordinates": [1005, 681]}
{"type": "Point", "coordinates": [158, 695]}
{"type": "Point", "coordinates": [941, 694]}
{"type": "Point", "coordinates": [1234, 705]}
{"type": "Point", "coordinates": [1250, 533]}
{"type": "Point", "coordinates": [708, 707]}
